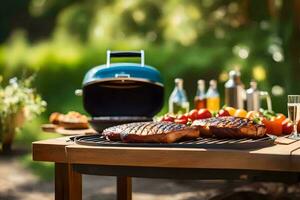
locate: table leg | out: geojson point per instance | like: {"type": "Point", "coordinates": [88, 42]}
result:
{"type": "Point", "coordinates": [75, 184]}
{"type": "Point", "coordinates": [124, 191]}
{"type": "Point", "coordinates": [68, 184]}
{"type": "Point", "coordinates": [61, 178]}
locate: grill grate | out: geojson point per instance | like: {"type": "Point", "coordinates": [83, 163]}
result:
{"type": "Point", "coordinates": [215, 143]}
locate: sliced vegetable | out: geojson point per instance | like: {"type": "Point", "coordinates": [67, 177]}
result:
{"type": "Point", "coordinates": [240, 113]}
{"type": "Point", "coordinates": [231, 110]}
{"type": "Point", "coordinates": [268, 114]}
{"type": "Point", "coordinates": [253, 114]}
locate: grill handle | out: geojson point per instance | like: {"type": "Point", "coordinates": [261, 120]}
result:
{"type": "Point", "coordinates": [127, 54]}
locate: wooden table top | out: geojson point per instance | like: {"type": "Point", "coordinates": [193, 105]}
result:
{"type": "Point", "coordinates": [279, 157]}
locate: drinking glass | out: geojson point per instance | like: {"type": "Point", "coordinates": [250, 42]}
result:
{"type": "Point", "coordinates": [294, 114]}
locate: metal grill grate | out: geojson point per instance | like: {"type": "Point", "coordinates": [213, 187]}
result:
{"type": "Point", "coordinates": [215, 143]}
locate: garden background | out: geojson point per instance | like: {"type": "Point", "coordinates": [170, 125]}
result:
{"type": "Point", "coordinates": [60, 40]}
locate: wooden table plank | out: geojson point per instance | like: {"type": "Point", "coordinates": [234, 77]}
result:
{"type": "Point", "coordinates": [271, 158]}
{"type": "Point", "coordinates": [52, 150]}
{"type": "Point", "coordinates": [275, 158]}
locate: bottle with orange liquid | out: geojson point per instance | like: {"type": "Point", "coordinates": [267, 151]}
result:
{"type": "Point", "coordinates": [213, 97]}
{"type": "Point", "coordinates": [200, 98]}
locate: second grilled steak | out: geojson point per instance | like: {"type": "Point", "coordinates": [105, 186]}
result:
{"type": "Point", "coordinates": [230, 127]}
{"type": "Point", "coordinates": [157, 132]}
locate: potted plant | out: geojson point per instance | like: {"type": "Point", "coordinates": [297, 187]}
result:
{"type": "Point", "coordinates": [18, 103]}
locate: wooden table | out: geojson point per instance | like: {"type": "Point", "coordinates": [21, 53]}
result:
{"type": "Point", "coordinates": [275, 163]}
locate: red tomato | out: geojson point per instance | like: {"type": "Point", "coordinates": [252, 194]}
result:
{"type": "Point", "coordinates": [181, 121]}
{"type": "Point", "coordinates": [273, 126]}
{"type": "Point", "coordinates": [168, 118]}
{"type": "Point", "coordinates": [193, 114]}
{"type": "Point", "coordinates": [223, 113]}
{"type": "Point", "coordinates": [280, 118]}
{"type": "Point", "coordinates": [287, 127]}
{"type": "Point", "coordinates": [185, 116]}
{"type": "Point", "coordinates": [203, 114]}
{"type": "Point", "coordinates": [277, 125]}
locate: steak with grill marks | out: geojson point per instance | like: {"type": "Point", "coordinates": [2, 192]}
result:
{"type": "Point", "coordinates": [156, 132]}
{"type": "Point", "coordinates": [230, 127]}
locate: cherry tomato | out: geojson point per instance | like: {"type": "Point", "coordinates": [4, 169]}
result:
{"type": "Point", "coordinates": [203, 114]}
{"type": "Point", "coordinates": [181, 121]}
{"type": "Point", "coordinates": [287, 127]}
{"type": "Point", "coordinates": [185, 116]}
{"type": "Point", "coordinates": [193, 114]}
{"type": "Point", "coordinates": [168, 118]}
{"type": "Point", "coordinates": [223, 113]}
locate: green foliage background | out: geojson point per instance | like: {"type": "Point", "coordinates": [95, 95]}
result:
{"type": "Point", "coordinates": [62, 39]}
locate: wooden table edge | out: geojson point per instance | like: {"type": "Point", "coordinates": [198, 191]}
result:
{"type": "Point", "coordinates": [180, 157]}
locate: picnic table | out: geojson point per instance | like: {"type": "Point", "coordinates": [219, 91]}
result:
{"type": "Point", "coordinates": [280, 162]}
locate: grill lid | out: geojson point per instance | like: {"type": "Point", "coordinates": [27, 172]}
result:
{"type": "Point", "coordinates": [123, 89]}
{"type": "Point", "coordinates": [123, 72]}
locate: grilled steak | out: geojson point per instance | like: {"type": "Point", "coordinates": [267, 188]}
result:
{"type": "Point", "coordinates": [157, 132]}
{"type": "Point", "coordinates": [230, 127]}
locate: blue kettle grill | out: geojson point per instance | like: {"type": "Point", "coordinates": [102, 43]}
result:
{"type": "Point", "coordinates": [122, 91]}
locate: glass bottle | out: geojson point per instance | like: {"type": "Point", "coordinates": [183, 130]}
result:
{"type": "Point", "coordinates": [253, 97]}
{"type": "Point", "coordinates": [213, 97]}
{"type": "Point", "coordinates": [200, 98]}
{"type": "Point", "coordinates": [234, 90]}
{"type": "Point", "coordinates": [178, 103]}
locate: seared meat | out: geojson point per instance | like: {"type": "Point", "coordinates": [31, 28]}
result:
{"type": "Point", "coordinates": [230, 127]}
{"type": "Point", "coordinates": [158, 132]}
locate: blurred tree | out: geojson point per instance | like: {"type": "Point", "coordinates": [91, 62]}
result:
{"type": "Point", "coordinates": [191, 39]}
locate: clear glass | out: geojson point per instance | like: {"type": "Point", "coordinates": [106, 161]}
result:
{"type": "Point", "coordinates": [294, 114]}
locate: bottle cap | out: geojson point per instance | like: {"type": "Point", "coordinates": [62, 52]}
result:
{"type": "Point", "coordinates": [201, 82]}
{"type": "Point", "coordinates": [234, 73]}
{"type": "Point", "coordinates": [213, 82]}
{"type": "Point", "coordinates": [253, 84]}
{"type": "Point", "coordinates": [179, 82]}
